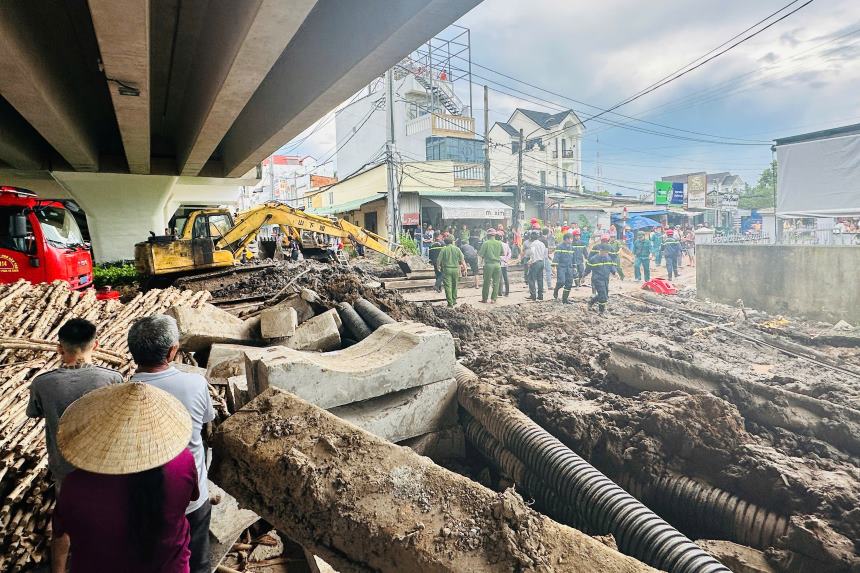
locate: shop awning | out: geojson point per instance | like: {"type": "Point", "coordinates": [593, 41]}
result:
{"type": "Point", "coordinates": [345, 207]}
{"type": "Point", "coordinates": [471, 208]}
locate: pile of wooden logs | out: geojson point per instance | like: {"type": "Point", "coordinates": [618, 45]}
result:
{"type": "Point", "coordinates": [30, 316]}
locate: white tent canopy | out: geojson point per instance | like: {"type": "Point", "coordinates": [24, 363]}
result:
{"type": "Point", "coordinates": [472, 208]}
{"type": "Point", "coordinates": [819, 174]}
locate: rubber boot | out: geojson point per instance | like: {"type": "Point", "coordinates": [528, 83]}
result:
{"type": "Point", "coordinates": [555, 293]}
{"type": "Point", "coordinates": [590, 304]}
{"type": "Point", "coordinates": [565, 294]}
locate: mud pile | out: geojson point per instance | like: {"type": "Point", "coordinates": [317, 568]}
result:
{"type": "Point", "coordinates": [553, 361]}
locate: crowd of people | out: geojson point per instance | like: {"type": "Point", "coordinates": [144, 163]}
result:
{"type": "Point", "coordinates": [127, 460]}
{"type": "Point", "coordinates": [569, 252]}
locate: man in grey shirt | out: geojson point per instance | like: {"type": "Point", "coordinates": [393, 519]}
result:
{"type": "Point", "coordinates": [52, 392]}
{"type": "Point", "coordinates": [153, 342]}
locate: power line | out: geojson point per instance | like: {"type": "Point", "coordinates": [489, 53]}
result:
{"type": "Point", "coordinates": [678, 73]}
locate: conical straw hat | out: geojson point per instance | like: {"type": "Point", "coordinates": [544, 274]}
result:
{"type": "Point", "coordinates": [124, 429]}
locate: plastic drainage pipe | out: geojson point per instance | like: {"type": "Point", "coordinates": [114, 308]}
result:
{"type": "Point", "coordinates": [371, 315]}
{"type": "Point", "coordinates": [352, 321]}
{"type": "Point", "coordinates": [606, 507]}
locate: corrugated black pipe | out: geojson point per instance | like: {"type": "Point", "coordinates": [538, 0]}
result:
{"type": "Point", "coordinates": [352, 321]}
{"type": "Point", "coordinates": [639, 532]}
{"type": "Point", "coordinates": [371, 314]}
{"type": "Point", "coordinates": [508, 464]}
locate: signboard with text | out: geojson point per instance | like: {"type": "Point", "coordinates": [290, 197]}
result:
{"type": "Point", "coordinates": [697, 190]}
{"type": "Point", "coordinates": [662, 191]}
{"type": "Point", "coordinates": [677, 194]}
{"type": "Point", "coordinates": [409, 219]}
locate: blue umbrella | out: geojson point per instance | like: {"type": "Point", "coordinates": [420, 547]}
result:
{"type": "Point", "coordinates": [639, 222]}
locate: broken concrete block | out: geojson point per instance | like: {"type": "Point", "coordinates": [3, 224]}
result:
{"type": "Point", "coordinates": [227, 523]}
{"type": "Point", "coordinates": [321, 333]}
{"type": "Point", "coordinates": [395, 357]}
{"type": "Point", "coordinates": [264, 551]}
{"type": "Point", "coordinates": [739, 558]}
{"type": "Point", "coordinates": [226, 360]}
{"type": "Point", "coordinates": [182, 367]}
{"type": "Point", "coordinates": [278, 322]}
{"type": "Point", "coordinates": [386, 508]}
{"type": "Point", "coordinates": [237, 392]}
{"type": "Point", "coordinates": [444, 444]}
{"type": "Point", "coordinates": [317, 565]}
{"type": "Point", "coordinates": [201, 327]}
{"type": "Point", "coordinates": [405, 414]}
{"type": "Point", "coordinates": [303, 309]}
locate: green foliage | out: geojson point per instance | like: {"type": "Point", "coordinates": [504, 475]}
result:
{"type": "Point", "coordinates": [409, 244]}
{"type": "Point", "coordinates": [760, 196]}
{"type": "Point", "coordinates": [114, 274]}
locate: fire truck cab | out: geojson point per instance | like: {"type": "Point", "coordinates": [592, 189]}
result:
{"type": "Point", "coordinates": [40, 241]}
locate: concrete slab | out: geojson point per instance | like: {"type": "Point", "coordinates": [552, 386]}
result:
{"type": "Point", "coordinates": [405, 414]}
{"type": "Point", "coordinates": [227, 524]}
{"type": "Point", "coordinates": [226, 360]}
{"type": "Point", "coordinates": [395, 357]}
{"type": "Point", "coordinates": [321, 333]}
{"type": "Point", "coordinates": [201, 327]}
{"type": "Point", "coordinates": [237, 392]}
{"type": "Point", "coordinates": [303, 309]}
{"type": "Point", "coordinates": [444, 444]}
{"type": "Point", "coordinates": [278, 322]}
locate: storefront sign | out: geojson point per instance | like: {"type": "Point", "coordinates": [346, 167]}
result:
{"type": "Point", "coordinates": [677, 194]}
{"type": "Point", "coordinates": [409, 219]}
{"type": "Point", "coordinates": [662, 191]}
{"type": "Point", "coordinates": [697, 189]}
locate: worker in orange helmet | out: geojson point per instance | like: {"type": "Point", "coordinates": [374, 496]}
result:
{"type": "Point", "coordinates": [672, 252]}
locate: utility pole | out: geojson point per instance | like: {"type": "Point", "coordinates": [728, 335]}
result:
{"type": "Point", "coordinates": [393, 195]}
{"type": "Point", "coordinates": [777, 228]}
{"type": "Point", "coordinates": [486, 139]}
{"type": "Point", "coordinates": [517, 207]}
{"type": "Point", "coordinates": [272, 177]}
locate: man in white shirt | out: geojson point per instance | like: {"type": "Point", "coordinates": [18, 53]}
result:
{"type": "Point", "coordinates": [153, 342]}
{"type": "Point", "coordinates": [537, 254]}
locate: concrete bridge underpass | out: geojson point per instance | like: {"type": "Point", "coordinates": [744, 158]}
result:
{"type": "Point", "coordinates": [135, 107]}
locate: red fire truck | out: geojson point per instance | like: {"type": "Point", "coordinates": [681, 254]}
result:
{"type": "Point", "coordinates": [40, 241]}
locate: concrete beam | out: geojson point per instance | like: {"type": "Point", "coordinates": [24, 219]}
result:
{"type": "Point", "coordinates": [20, 145]}
{"type": "Point", "coordinates": [239, 44]}
{"type": "Point", "coordinates": [327, 62]}
{"type": "Point", "coordinates": [122, 30]}
{"type": "Point", "coordinates": [36, 90]}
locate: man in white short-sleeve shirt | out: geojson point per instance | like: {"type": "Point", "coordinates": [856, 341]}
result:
{"type": "Point", "coordinates": [153, 342]}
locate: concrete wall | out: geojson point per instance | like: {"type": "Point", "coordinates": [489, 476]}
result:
{"type": "Point", "coordinates": [817, 282]}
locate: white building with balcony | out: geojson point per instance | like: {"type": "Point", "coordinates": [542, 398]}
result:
{"type": "Point", "coordinates": [431, 123]}
{"type": "Point", "coordinates": [552, 154]}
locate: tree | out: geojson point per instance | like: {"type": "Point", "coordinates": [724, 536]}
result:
{"type": "Point", "coordinates": [761, 196]}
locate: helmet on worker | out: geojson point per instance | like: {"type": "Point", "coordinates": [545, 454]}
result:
{"type": "Point", "coordinates": [604, 238]}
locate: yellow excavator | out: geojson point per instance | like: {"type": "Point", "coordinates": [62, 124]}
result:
{"type": "Point", "coordinates": [212, 239]}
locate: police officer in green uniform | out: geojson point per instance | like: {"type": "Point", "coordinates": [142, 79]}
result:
{"type": "Point", "coordinates": [491, 252]}
{"type": "Point", "coordinates": [450, 262]}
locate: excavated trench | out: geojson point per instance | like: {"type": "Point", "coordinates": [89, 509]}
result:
{"type": "Point", "coordinates": [718, 431]}
{"type": "Point", "coordinates": [724, 438]}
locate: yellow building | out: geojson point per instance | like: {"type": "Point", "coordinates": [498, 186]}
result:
{"type": "Point", "coordinates": [430, 191]}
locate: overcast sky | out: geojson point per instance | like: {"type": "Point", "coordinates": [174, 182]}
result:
{"type": "Point", "coordinates": [800, 75]}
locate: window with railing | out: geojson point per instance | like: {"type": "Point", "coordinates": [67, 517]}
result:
{"type": "Point", "coordinates": [470, 172]}
{"type": "Point", "coordinates": [567, 153]}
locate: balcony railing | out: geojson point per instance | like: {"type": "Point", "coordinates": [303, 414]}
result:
{"type": "Point", "coordinates": [441, 124]}
{"type": "Point", "coordinates": [567, 153]}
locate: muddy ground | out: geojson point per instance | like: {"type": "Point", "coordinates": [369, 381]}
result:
{"type": "Point", "coordinates": [552, 361]}
{"type": "Point", "coordinates": [553, 358]}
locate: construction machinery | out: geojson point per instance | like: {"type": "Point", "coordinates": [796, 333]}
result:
{"type": "Point", "coordinates": [212, 239]}
{"type": "Point", "coordinates": [40, 241]}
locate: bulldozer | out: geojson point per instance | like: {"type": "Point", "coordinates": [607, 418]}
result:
{"type": "Point", "coordinates": [212, 239]}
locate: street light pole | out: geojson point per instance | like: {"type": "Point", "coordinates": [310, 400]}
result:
{"type": "Point", "coordinates": [519, 200]}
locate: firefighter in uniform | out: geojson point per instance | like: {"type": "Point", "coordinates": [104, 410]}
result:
{"type": "Point", "coordinates": [601, 266]}
{"type": "Point", "coordinates": [672, 252]}
{"type": "Point", "coordinates": [579, 256]}
{"type": "Point", "coordinates": [564, 269]}
{"type": "Point", "coordinates": [642, 262]}
{"type": "Point", "coordinates": [451, 262]}
{"type": "Point", "coordinates": [435, 247]}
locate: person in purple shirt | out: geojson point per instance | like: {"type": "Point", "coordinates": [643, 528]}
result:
{"type": "Point", "coordinates": [124, 507]}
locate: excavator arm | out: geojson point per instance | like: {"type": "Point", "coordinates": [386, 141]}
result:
{"type": "Point", "coordinates": [249, 223]}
